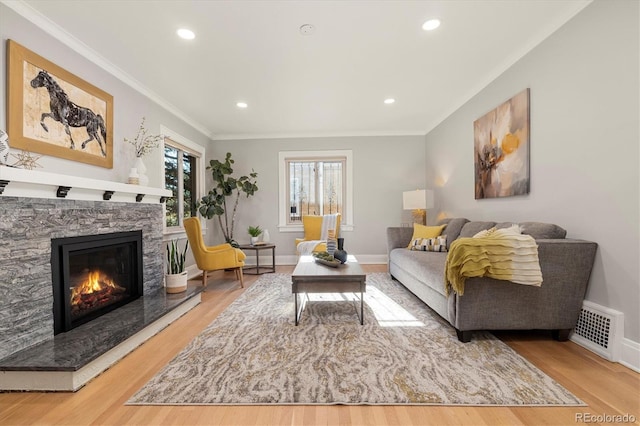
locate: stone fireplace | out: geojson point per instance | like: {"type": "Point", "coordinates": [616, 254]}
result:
{"type": "Point", "coordinates": [27, 229]}
{"type": "Point", "coordinates": [94, 245]}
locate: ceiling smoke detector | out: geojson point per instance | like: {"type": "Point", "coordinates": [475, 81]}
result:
{"type": "Point", "coordinates": [307, 29]}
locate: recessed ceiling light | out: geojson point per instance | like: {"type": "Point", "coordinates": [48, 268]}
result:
{"type": "Point", "coordinates": [186, 34]}
{"type": "Point", "coordinates": [431, 24]}
{"type": "Point", "coordinates": [389, 101]}
{"type": "Point", "coordinates": [242, 105]}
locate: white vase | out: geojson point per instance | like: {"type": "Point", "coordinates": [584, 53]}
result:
{"type": "Point", "coordinates": [265, 236]}
{"type": "Point", "coordinates": [142, 171]}
{"type": "Point", "coordinates": [176, 283]}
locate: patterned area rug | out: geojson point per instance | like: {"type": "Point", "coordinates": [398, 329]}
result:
{"type": "Point", "coordinates": [404, 354]}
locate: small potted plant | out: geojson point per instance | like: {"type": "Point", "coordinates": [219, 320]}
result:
{"type": "Point", "coordinates": [254, 232]}
{"type": "Point", "coordinates": [176, 278]}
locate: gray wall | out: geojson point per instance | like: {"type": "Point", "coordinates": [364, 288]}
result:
{"type": "Point", "coordinates": [129, 105]}
{"type": "Point", "coordinates": [584, 82]}
{"type": "Point", "coordinates": [384, 166]}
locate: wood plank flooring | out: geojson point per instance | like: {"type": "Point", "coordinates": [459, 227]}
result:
{"type": "Point", "coordinates": [607, 388]}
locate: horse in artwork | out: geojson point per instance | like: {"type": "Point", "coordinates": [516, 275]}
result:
{"type": "Point", "coordinates": [70, 114]}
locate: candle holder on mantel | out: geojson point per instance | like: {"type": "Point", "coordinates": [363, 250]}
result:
{"type": "Point", "coordinates": [134, 178]}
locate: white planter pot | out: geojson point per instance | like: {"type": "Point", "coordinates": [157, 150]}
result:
{"type": "Point", "coordinates": [176, 283]}
{"type": "Point", "coordinates": [253, 240]}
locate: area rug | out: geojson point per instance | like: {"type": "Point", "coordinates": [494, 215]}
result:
{"type": "Point", "coordinates": [252, 353]}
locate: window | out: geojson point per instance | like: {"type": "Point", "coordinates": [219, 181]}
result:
{"type": "Point", "coordinates": [315, 187]}
{"type": "Point", "coordinates": [184, 177]}
{"type": "Point", "coordinates": [314, 183]}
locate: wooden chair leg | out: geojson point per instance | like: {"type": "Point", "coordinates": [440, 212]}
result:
{"type": "Point", "coordinates": [241, 277]}
{"type": "Point", "coordinates": [204, 280]}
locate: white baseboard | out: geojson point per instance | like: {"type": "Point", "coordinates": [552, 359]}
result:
{"type": "Point", "coordinates": [630, 354]}
{"type": "Point", "coordinates": [364, 259]}
{"type": "Point", "coordinates": [193, 271]}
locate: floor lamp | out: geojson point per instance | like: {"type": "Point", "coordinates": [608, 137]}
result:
{"type": "Point", "coordinates": [418, 202]}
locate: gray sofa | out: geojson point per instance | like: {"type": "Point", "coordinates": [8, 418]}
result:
{"type": "Point", "coordinates": [489, 304]}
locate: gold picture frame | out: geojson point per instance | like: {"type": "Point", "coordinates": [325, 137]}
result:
{"type": "Point", "coordinates": [53, 112]}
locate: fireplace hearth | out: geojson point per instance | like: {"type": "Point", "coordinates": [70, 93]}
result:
{"type": "Point", "coordinates": [93, 275]}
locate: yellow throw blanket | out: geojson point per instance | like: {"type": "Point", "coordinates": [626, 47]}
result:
{"type": "Point", "coordinates": [498, 254]}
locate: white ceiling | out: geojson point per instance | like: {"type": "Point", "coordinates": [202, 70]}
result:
{"type": "Point", "coordinates": [330, 83]}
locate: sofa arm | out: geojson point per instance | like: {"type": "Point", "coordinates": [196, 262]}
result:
{"type": "Point", "coordinates": [566, 264]}
{"type": "Point", "coordinates": [398, 237]}
{"type": "Point", "coordinates": [490, 304]}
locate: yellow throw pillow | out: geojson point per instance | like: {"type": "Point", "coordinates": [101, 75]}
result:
{"type": "Point", "coordinates": [422, 231]}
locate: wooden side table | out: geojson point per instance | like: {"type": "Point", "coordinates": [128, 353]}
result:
{"type": "Point", "coordinates": [257, 269]}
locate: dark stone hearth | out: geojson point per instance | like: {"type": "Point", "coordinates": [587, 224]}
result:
{"type": "Point", "coordinates": [74, 349]}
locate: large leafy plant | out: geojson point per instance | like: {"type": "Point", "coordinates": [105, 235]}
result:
{"type": "Point", "coordinates": [222, 200]}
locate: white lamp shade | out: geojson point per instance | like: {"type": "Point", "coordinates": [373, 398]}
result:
{"type": "Point", "coordinates": [419, 199]}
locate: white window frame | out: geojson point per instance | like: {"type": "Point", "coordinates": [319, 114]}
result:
{"type": "Point", "coordinates": [196, 150]}
{"type": "Point", "coordinates": [346, 222]}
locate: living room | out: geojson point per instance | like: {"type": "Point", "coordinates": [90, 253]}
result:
{"type": "Point", "coordinates": [584, 158]}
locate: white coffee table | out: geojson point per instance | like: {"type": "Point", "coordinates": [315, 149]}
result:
{"type": "Point", "coordinates": [311, 277]}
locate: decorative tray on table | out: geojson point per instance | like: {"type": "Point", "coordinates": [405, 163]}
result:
{"type": "Point", "coordinates": [326, 259]}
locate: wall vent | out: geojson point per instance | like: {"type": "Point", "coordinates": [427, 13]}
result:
{"type": "Point", "coordinates": [600, 330]}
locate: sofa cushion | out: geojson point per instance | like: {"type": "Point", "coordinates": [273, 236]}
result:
{"type": "Point", "coordinates": [425, 267]}
{"type": "Point", "coordinates": [430, 244]}
{"type": "Point", "coordinates": [472, 228]}
{"type": "Point", "coordinates": [422, 231]}
{"type": "Point", "coordinates": [502, 225]}
{"type": "Point", "coordinates": [505, 230]}
{"type": "Point", "coordinates": [541, 231]}
{"type": "Point", "coordinates": [452, 230]}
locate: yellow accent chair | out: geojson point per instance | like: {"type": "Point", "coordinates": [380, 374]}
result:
{"type": "Point", "coordinates": [213, 258]}
{"type": "Point", "coordinates": [312, 225]}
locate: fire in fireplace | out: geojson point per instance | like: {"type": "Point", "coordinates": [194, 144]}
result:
{"type": "Point", "coordinates": [93, 275]}
{"type": "Point", "coordinates": [95, 290]}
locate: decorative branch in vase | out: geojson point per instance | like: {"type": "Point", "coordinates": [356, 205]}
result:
{"type": "Point", "coordinates": [143, 144]}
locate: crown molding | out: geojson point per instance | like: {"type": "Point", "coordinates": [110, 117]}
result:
{"type": "Point", "coordinates": [249, 136]}
{"type": "Point", "coordinates": [66, 38]}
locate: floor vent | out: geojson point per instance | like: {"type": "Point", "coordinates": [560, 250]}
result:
{"type": "Point", "coordinates": [600, 330]}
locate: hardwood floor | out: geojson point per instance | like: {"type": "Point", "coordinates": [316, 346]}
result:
{"type": "Point", "coordinates": [608, 389]}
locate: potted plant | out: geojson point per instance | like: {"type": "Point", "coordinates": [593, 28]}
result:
{"type": "Point", "coordinates": [254, 232]}
{"type": "Point", "coordinates": [176, 278]}
{"type": "Point", "coordinates": [215, 202]}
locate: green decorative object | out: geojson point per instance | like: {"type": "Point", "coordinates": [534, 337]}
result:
{"type": "Point", "coordinates": [176, 278]}
{"type": "Point", "coordinates": [254, 231]}
{"type": "Point", "coordinates": [175, 258]}
{"type": "Point", "coordinates": [223, 199]}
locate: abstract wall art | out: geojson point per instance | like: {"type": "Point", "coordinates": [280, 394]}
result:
{"type": "Point", "coordinates": [501, 149]}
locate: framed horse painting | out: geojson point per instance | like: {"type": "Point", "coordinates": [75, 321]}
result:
{"type": "Point", "coordinates": [53, 112]}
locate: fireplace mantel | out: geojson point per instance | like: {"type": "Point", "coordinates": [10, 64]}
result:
{"type": "Point", "coordinates": [33, 183]}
